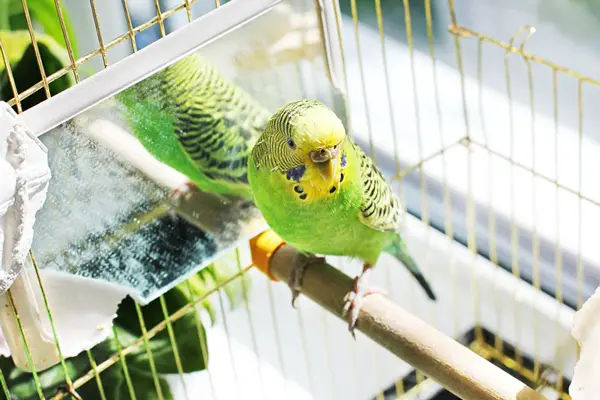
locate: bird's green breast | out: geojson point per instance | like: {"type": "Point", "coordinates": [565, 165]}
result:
{"type": "Point", "coordinates": [303, 222]}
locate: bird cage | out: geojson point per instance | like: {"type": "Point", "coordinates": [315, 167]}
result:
{"type": "Point", "coordinates": [119, 293]}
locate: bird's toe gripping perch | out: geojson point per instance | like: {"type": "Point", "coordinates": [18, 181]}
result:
{"type": "Point", "coordinates": [264, 246]}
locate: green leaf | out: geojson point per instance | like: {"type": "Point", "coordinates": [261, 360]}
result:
{"type": "Point", "coordinates": [190, 343]}
{"type": "Point", "coordinates": [189, 334]}
{"type": "Point", "coordinates": [25, 68]}
{"type": "Point", "coordinates": [45, 14]}
{"type": "Point", "coordinates": [4, 16]}
{"type": "Point", "coordinates": [21, 384]}
{"type": "Point", "coordinates": [143, 385]}
{"type": "Point", "coordinates": [15, 45]}
{"type": "Point", "coordinates": [198, 285]}
{"type": "Point", "coordinates": [211, 277]}
{"type": "Point", "coordinates": [224, 268]}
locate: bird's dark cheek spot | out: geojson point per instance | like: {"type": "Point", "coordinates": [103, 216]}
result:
{"type": "Point", "coordinates": [298, 189]}
{"type": "Point", "coordinates": [342, 177]}
{"type": "Point", "coordinates": [333, 189]}
{"type": "Point", "coordinates": [303, 196]}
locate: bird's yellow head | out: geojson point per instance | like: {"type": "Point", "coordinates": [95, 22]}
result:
{"type": "Point", "coordinates": [317, 137]}
{"type": "Point", "coordinates": [304, 133]}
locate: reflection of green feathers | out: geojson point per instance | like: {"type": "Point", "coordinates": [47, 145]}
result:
{"type": "Point", "coordinates": [195, 120]}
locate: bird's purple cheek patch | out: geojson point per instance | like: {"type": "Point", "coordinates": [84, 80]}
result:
{"type": "Point", "coordinates": [343, 159]}
{"type": "Point", "coordinates": [296, 173]}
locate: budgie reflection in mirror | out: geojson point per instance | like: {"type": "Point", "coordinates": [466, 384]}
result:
{"type": "Point", "coordinates": [322, 194]}
{"type": "Point", "coordinates": [192, 118]}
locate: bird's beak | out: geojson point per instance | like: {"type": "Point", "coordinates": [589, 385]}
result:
{"type": "Point", "coordinates": [327, 170]}
{"type": "Point", "coordinates": [326, 162]}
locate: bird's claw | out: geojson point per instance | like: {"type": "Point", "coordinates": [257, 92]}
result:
{"type": "Point", "coordinates": [354, 300]}
{"type": "Point", "coordinates": [297, 273]}
{"type": "Point", "coordinates": [181, 192]}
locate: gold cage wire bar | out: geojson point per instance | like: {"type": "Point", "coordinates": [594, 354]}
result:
{"type": "Point", "coordinates": [102, 50]}
{"type": "Point", "coordinates": [458, 31]}
{"type": "Point", "coordinates": [525, 33]}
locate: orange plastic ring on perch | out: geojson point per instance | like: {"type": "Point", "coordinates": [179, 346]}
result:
{"type": "Point", "coordinates": [263, 246]}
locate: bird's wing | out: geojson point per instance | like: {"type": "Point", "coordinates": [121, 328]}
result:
{"type": "Point", "coordinates": [216, 122]}
{"type": "Point", "coordinates": [380, 209]}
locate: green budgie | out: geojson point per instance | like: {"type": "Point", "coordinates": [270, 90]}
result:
{"type": "Point", "coordinates": [322, 194]}
{"type": "Point", "coordinates": [195, 120]}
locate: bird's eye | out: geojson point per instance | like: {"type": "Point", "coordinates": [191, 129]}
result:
{"type": "Point", "coordinates": [291, 143]}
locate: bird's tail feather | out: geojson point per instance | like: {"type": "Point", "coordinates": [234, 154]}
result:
{"type": "Point", "coordinates": [398, 249]}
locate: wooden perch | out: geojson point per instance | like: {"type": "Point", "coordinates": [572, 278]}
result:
{"type": "Point", "coordinates": [451, 364]}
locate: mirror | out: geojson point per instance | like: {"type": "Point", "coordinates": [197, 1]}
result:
{"type": "Point", "coordinates": [108, 214]}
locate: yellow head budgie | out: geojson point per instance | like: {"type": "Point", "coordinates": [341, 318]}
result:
{"type": "Point", "coordinates": [322, 194]}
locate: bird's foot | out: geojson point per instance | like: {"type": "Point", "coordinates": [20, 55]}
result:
{"type": "Point", "coordinates": [180, 192]}
{"type": "Point", "coordinates": [355, 297]}
{"type": "Point", "coordinates": [301, 261]}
